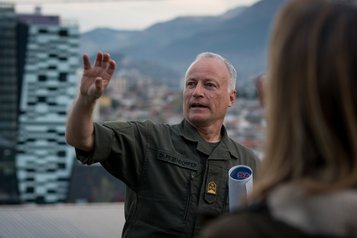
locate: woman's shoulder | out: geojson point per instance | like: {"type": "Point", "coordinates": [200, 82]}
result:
{"type": "Point", "coordinates": [253, 221]}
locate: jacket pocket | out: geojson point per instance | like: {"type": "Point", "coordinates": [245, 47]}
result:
{"type": "Point", "coordinates": [164, 189]}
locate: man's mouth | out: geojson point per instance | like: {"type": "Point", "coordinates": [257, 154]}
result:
{"type": "Point", "coordinates": [198, 105]}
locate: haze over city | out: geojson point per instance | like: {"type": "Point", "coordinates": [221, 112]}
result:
{"type": "Point", "coordinates": [127, 14]}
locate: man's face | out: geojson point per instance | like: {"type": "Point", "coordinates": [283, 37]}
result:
{"type": "Point", "coordinates": [206, 95]}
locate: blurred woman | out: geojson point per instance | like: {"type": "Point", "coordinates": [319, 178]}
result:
{"type": "Point", "coordinates": [308, 180]}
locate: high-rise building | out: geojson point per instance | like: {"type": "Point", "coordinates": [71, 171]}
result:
{"type": "Point", "coordinates": [47, 58]}
{"type": "Point", "coordinates": [8, 105]}
{"type": "Point", "coordinates": [8, 77]}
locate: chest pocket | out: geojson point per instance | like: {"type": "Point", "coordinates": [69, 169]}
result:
{"type": "Point", "coordinates": [166, 174]}
{"type": "Point", "coordinates": [164, 187]}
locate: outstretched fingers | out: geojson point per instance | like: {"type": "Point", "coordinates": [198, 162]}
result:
{"type": "Point", "coordinates": [106, 58]}
{"type": "Point", "coordinates": [111, 67]}
{"type": "Point", "coordinates": [105, 62]}
{"type": "Point", "coordinates": [104, 67]}
{"type": "Point", "coordinates": [99, 59]}
{"type": "Point", "coordinates": [86, 62]}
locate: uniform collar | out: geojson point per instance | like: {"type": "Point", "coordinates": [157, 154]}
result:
{"type": "Point", "coordinates": [224, 150]}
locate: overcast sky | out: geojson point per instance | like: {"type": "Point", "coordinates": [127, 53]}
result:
{"type": "Point", "coordinates": [129, 14]}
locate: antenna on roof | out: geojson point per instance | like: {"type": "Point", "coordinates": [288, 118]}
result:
{"type": "Point", "coordinates": [38, 10]}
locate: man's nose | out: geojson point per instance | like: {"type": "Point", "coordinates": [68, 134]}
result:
{"type": "Point", "coordinates": [199, 89]}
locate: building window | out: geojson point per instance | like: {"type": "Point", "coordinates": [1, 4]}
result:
{"type": "Point", "coordinates": [42, 78]}
{"type": "Point", "coordinates": [62, 77]}
{"type": "Point", "coordinates": [41, 99]}
{"type": "Point", "coordinates": [30, 190]}
{"type": "Point", "coordinates": [61, 165]}
{"type": "Point", "coordinates": [63, 33]}
{"type": "Point", "coordinates": [61, 153]}
{"type": "Point", "coordinates": [42, 31]}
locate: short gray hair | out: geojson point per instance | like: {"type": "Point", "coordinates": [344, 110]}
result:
{"type": "Point", "coordinates": [232, 71]}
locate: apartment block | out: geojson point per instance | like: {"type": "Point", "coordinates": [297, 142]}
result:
{"type": "Point", "coordinates": [43, 83]}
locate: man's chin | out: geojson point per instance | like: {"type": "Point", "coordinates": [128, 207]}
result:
{"type": "Point", "coordinates": [197, 120]}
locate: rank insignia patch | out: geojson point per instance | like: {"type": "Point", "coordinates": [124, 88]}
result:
{"type": "Point", "coordinates": [212, 188]}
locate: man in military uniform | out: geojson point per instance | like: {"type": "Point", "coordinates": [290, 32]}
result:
{"type": "Point", "coordinates": [171, 171]}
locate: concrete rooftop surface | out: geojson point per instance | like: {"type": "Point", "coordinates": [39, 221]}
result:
{"type": "Point", "coordinates": [62, 221]}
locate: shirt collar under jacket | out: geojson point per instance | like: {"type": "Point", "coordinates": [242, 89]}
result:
{"type": "Point", "coordinates": [225, 150]}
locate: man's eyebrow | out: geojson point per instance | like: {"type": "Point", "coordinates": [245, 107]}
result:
{"type": "Point", "coordinates": [192, 79]}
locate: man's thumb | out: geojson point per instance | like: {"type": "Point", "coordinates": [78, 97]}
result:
{"type": "Point", "coordinates": [99, 85]}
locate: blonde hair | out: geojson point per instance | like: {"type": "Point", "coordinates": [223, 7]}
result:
{"type": "Point", "coordinates": [311, 99]}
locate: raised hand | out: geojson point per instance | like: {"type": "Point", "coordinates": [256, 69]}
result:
{"type": "Point", "coordinates": [96, 77]}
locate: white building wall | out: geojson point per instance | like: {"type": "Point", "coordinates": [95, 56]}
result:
{"type": "Point", "coordinates": [44, 160]}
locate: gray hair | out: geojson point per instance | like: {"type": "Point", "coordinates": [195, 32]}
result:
{"type": "Point", "coordinates": [232, 71]}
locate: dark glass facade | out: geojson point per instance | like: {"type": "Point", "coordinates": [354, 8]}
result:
{"type": "Point", "coordinates": [9, 99]}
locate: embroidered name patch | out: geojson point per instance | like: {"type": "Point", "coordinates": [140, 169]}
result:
{"type": "Point", "coordinates": [185, 163]}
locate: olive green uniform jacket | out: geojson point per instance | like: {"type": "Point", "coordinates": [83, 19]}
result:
{"type": "Point", "coordinates": [170, 173]}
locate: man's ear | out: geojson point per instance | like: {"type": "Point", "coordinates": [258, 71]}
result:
{"type": "Point", "coordinates": [232, 97]}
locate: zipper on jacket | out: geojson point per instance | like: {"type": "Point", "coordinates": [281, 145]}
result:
{"type": "Point", "coordinates": [188, 203]}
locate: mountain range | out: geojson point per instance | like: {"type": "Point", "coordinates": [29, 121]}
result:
{"type": "Point", "coordinates": [241, 34]}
